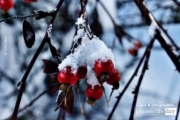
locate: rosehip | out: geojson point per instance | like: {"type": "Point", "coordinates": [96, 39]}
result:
{"type": "Point", "coordinates": [103, 67]}
{"type": "Point", "coordinates": [82, 71]}
{"type": "Point", "coordinates": [6, 4]}
{"type": "Point", "coordinates": [133, 51]}
{"type": "Point", "coordinates": [93, 94]}
{"type": "Point", "coordinates": [137, 44]}
{"type": "Point", "coordinates": [66, 76]}
{"type": "Point", "coordinates": [114, 79]}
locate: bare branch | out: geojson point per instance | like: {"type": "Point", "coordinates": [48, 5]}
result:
{"type": "Point", "coordinates": [23, 81]}
{"type": "Point", "coordinates": [145, 67]}
{"type": "Point", "coordinates": [130, 80]}
{"type": "Point", "coordinates": [33, 101]}
{"type": "Point", "coordinates": [146, 15]}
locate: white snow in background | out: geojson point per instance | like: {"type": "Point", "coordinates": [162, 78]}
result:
{"type": "Point", "coordinates": [103, 17]}
{"type": "Point", "coordinates": [92, 79]}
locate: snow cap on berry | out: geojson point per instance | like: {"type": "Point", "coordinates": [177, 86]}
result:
{"type": "Point", "coordinates": [71, 61]}
{"type": "Point", "coordinates": [92, 79]}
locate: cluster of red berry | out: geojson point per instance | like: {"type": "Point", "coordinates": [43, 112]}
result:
{"type": "Point", "coordinates": [93, 53]}
{"type": "Point", "coordinates": [105, 72]}
{"type": "Point", "coordinates": [134, 50]}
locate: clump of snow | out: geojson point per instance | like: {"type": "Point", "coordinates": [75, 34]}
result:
{"type": "Point", "coordinates": [70, 60]}
{"type": "Point", "coordinates": [80, 20]}
{"type": "Point", "coordinates": [49, 30]}
{"type": "Point", "coordinates": [96, 49]}
{"type": "Point", "coordinates": [92, 79]}
{"type": "Point", "coordinates": [88, 51]}
{"type": "Point", "coordinates": [153, 26]}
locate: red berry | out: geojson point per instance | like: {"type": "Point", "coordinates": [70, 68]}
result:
{"type": "Point", "coordinates": [94, 94]}
{"type": "Point", "coordinates": [133, 51]}
{"type": "Point", "coordinates": [6, 4]}
{"type": "Point", "coordinates": [103, 67]}
{"type": "Point", "coordinates": [114, 77]}
{"type": "Point", "coordinates": [137, 44]}
{"type": "Point", "coordinates": [27, 1]}
{"type": "Point", "coordinates": [82, 71]}
{"type": "Point", "coordinates": [66, 76]}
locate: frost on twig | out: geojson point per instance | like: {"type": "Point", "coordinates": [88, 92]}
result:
{"type": "Point", "coordinates": [153, 27]}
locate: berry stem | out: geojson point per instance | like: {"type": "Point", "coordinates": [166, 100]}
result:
{"type": "Point", "coordinates": [78, 91]}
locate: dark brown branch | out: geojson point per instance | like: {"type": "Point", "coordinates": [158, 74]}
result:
{"type": "Point", "coordinates": [23, 81]}
{"type": "Point", "coordinates": [18, 17]}
{"type": "Point", "coordinates": [166, 33]}
{"type": "Point", "coordinates": [178, 107]}
{"type": "Point", "coordinates": [145, 13]}
{"type": "Point", "coordinates": [130, 80]}
{"type": "Point", "coordinates": [142, 24]}
{"type": "Point", "coordinates": [61, 115]}
{"type": "Point", "coordinates": [177, 2]}
{"type": "Point", "coordinates": [136, 92]}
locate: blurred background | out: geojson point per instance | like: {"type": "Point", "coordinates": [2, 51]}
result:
{"type": "Point", "coordinates": [159, 86]}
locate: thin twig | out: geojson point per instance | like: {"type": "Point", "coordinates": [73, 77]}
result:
{"type": "Point", "coordinates": [23, 81]}
{"type": "Point", "coordinates": [145, 67]}
{"type": "Point", "coordinates": [178, 107]}
{"type": "Point", "coordinates": [61, 115]}
{"type": "Point", "coordinates": [18, 17]}
{"type": "Point", "coordinates": [128, 83]}
{"type": "Point", "coordinates": [33, 101]}
{"type": "Point", "coordinates": [146, 15]}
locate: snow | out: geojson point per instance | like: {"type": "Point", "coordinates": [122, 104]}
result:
{"type": "Point", "coordinates": [87, 52]}
{"type": "Point", "coordinates": [49, 30]}
{"type": "Point", "coordinates": [80, 21]}
{"type": "Point", "coordinates": [92, 79]}
{"type": "Point", "coordinates": [153, 26]}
